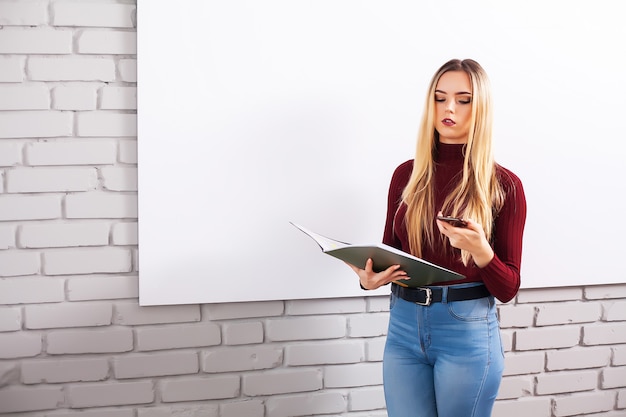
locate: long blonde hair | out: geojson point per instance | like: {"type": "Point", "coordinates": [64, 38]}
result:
{"type": "Point", "coordinates": [478, 194]}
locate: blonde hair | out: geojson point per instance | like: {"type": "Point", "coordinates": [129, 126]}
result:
{"type": "Point", "coordinates": [478, 194]}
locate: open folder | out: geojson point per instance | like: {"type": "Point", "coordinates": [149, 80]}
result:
{"type": "Point", "coordinates": [420, 271]}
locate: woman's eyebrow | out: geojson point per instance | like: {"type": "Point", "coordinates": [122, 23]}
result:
{"type": "Point", "coordinates": [458, 93]}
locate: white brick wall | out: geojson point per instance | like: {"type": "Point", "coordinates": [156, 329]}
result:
{"type": "Point", "coordinates": [73, 338]}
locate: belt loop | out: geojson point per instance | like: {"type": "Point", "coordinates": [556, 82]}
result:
{"type": "Point", "coordinates": [444, 294]}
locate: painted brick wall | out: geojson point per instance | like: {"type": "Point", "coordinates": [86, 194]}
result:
{"type": "Point", "coordinates": [73, 337]}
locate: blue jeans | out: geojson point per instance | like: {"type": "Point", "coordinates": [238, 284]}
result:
{"type": "Point", "coordinates": [443, 360]}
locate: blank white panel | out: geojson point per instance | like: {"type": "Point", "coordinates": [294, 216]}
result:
{"type": "Point", "coordinates": [256, 113]}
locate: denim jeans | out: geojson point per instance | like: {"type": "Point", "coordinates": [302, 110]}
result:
{"type": "Point", "coordinates": [442, 360]}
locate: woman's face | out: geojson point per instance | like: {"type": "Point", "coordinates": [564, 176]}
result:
{"type": "Point", "coordinates": [453, 107]}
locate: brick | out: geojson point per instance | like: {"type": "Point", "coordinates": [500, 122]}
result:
{"type": "Point", "coordinates": [353, 375]}
{"type": "Point", "coordinates": [58, 235]}
{"type": "Point", "coordinates": [29, 207]}
{"type": "Point", "coordinates": [366, 399]}
{"type": "Point", "coordinates": [102, 287]}
{"type": "Point", "coordinates": [35, 124]}
{"type": "Point", "coordinates": [110, 394]}
{"type": "Point", "coordinates": [23, 13]}
{"type": "Point", "coordinates": [128, 70]}
{"type": "Point", "coordinates": [72, 152]}
{"type": "Point", "coordinates": [584, 403]}
{"type": "Point", "coordinates": [613, 377]}
{"type": "Point", "coordinates": [39, 40]}
{"type": "Point", "coordinates": [10, 153]}
{"type": "Point", "coordinates": [374, 349]}
{"type": "Point", "coordinates": [79, 13]}
{"type": "Point", "coordinates": [109, 340]}
{"type": "Point", "coordinates": [19, 399]}
{"type": "Point", "coordinates": [369, 325]}
{"type": "Point", "coordinates": [547, 337]}
{"type": "Point", "coordinates": [191, 410]}
{"type": "Point", "coordinates": [234, 359]}
{"type": "Point", "coordinates": [515, 387]}
{"type": "Point", "coordinates": [568, 312]}
{"type": "Point", "coordinates": [621, 399]}
{"type": "Point", "coordinates": [71, 69]}
{"type": "Point", "coordinates": [305, 328]}
{"type": "Point", "coordinates": [99, 413]}
{"type": "Point", "coordinates": [31, 290]}
{"type": "Point", "coordinates": [507, 340]}
{"type": "Point", "coordinates": [107, 42]}
{"type": "Point", "coordinates": [566, 382]}
{"type": "Point", "coordinates": [20, 345]}
{"type": "Point", "coordinates": [284, 381]}
{"type": "Point", "coordinates": [7, 237]}
{"type": "Point", "coordinates": [87, 261]}
{"type": "Point", "coordinates": [106, 123]}
{"type": "Point", "coordinates": [28, 96]}
{"type": "Point", "coordinates": [128, 151]}
{"type": "Point", "coordinates": [604, 334]}
{"type": "Point", "coordinates": [177, 336]}
{"type": "Point", "coordinates": [306, 404]}
{"type": "Point", "coordinates": [97, 205]}
{"type": "Point", "coordinates": [9, 374]}
{"type": "Point", "coordinates": [118, 98]}
{"type": "Point", "coordinates": [46, 180]}
{"type": "Point", "coordinates": [227, 311]}
{"type": "Point", "coordinates": [524, 363]}
{"type": "Point", "coordinates": [248, 408]}
{"type": "Point", "coordinates": [324, 306]}
{"type": "Point", "coordinates": [534, 406]}
{"type": "Point", "coordinates": [542, 295]}
{"type": "Point", "coordinates": [619, 355]}
{"type": "Point", "coordinates": [243, 333]}
{"type": "Point", "coordinates": [614, 311]}
{"type": "Point", "coordinates": [154, 365]}
{"type": "Point", "coordinates": [605, 292]}
{"type": "Point", "coordinates": [119, 178]}
{"type": "Point", "coordinates": [377, 303]}
{"type": "Point", "coordinates": [198, 389]}
{"type": "Point", "coordinates": [11, 68]}
{"type": "Point", "coordinates": [67, 315]}
{"type": "Point", "coordinates": [324, 353]}
{"type": "Point", "coordinates": [15, 263]}
{"type": "Point", "coordinates": [10, 320]}
{"type": "Point", "coordinates": [512, 316]}
{"type": "Point", "coordinates": [577, 358]}
{"type": "Point", "coordinates": [130, 314]}
{"type": "Point", "coordinates": [79, 96]}
{"type": "Point", "coordinates": [64, 370]}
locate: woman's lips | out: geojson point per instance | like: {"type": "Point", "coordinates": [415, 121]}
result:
{"type": "Point", "coordinates": [448, 122]}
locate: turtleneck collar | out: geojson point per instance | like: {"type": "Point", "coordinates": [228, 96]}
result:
{"type": "Point", "coordinates": [449, 152]}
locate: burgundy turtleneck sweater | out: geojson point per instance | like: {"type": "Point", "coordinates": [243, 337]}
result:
{"type": "Point", "coordinates": [502, 274]}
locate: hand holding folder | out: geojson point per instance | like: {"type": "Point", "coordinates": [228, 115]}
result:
{"type": "Point", "coordinates": [421, 272]}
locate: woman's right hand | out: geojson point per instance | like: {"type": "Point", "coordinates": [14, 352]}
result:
{"type": "Point", "coordinates": [371, 280]}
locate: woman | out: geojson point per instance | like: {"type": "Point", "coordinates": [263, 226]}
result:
{"type": "Point", "coordinates": [443, 356]}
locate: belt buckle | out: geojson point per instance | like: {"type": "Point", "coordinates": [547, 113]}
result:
{"type": "Point", "coordinates": [429, 296]}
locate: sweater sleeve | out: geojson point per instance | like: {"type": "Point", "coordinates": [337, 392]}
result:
{"type": "Point", "coordinates": [399, 180]}
{"type": "Point", "coordinates": [502, 274]}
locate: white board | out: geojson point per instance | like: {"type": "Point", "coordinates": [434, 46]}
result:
{"type": "Point", "coordinates": [256, 113]}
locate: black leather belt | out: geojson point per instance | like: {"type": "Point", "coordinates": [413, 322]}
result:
{"type": "Point", "coordinates": [425, 296]}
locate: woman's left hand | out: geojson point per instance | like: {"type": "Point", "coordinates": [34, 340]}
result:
{"type": "Point", "coordinates": [470, 238]}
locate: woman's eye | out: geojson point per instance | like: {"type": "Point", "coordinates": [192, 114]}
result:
{"type": "Point", "coordinates": [440, 99]}
{"type": "Point", "coordinates": [465, 101]}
